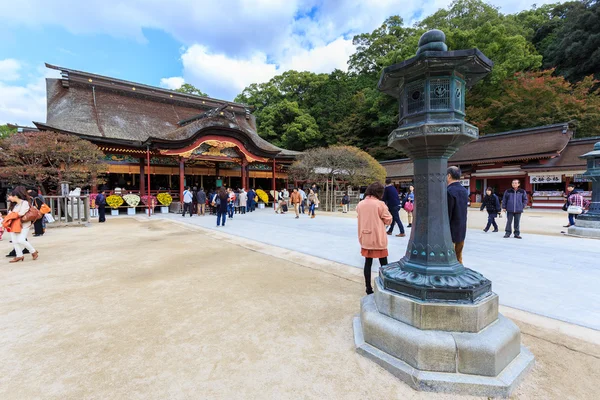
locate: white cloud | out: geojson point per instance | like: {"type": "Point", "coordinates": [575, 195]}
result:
{"type": "Point", "coordinates": [22, 104]}
{"type": "Point", "coordinates": [173, 82]}
{"type": "Point", "coordinates": [222, 76]}
{"type": "Point", "coordinates": [9, 69]}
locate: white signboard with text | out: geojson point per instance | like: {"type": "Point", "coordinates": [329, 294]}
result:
{"type": "Point", "coordinates": [545, 178]}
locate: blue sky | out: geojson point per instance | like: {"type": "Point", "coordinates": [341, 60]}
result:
{"type": "Point", "coordinates": [219, 46]}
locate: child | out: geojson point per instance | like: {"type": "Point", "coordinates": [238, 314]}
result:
{"type": "Point", "coordinates": [2, 214]}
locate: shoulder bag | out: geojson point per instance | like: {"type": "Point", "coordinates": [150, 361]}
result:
{"type": "Point", "coordinates": [575, 210]}
{"type": "Point", "coordinates": [32, 215]}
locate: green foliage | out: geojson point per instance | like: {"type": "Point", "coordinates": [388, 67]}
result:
{"type": "Point", "coordinates": [303, 110]}
{"type": "Point", "coordinates": [6, 130]}
{"type": "Point", "coordinates": [574, 45]}
{"type": "Point", "coordinates": [539, 98]}
{"type": "Point", "coordinates": [191, 89]}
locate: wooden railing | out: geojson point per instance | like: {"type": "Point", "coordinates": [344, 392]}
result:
{"type": "Point", "coordinates": [69, 210]}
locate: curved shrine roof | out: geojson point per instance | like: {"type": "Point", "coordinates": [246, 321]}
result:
{"type": "Point", "coordinates": [121, 112]}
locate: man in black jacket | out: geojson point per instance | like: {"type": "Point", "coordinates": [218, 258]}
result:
{"type": "Point", "coordinates": [458, 200]}
{"type": "Point", "coordinates": [513, 204]}
{"type": "Point", "coordinates": [392, 200]}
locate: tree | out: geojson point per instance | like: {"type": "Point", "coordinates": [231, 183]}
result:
{"type": "Point", "coordinates": [191, 89]}
{"type": "Point", "coordinates": [574, 49]}
{"type": "Point", "coordinates": [43, 159]}
{"type": "Point", "coordinates": [539, 98]}
{"type": "Point", "coordinates": [337, 164]}
{"type": "Point", "coordinates": [6, 130]}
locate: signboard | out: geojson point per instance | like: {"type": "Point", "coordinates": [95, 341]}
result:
{"type": "Point", "coordinates": [465, 182]}
{"type": "Point", "coordinates": [545, 178]}
{"type": "Point", "coordinates": [580, 178]}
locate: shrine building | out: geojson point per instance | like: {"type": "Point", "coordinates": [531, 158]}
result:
{"type": "Point", "coordinates": [545, 159]}
{"type": "Point", "coordinates": [179, 139]}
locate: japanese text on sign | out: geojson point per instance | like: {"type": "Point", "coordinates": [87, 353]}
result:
{"type": "Point", "coordinates": [545, 178]}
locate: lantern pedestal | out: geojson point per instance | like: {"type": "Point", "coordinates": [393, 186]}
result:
{"type": "Point", "coordinates": [424, 345]}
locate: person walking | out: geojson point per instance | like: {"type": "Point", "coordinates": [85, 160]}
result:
{"type": "Point", "coordinates": [201, 198]}
{"type": "Point", "coordinates": [575, 203]}
{"type": "Point", "coordinates": [243, 199]}
{"type": "Point", "coordinates": [230, 202]}
{"type": "Point", "coordinates": [36, 201]}
{"type": "Point", "coordinates": [188, 198]}
{"type": "Point", "coordinates": [101, 205]}
{"type": "Point", "coordinates": [491, 203]}
{"type": "Point", "coordinates": [345, 203]}
{"type": "Point", "coordinates": [408, 205]}
{"type": "Point", "coordinates": [296, 199]}
{"type": "Point", "coordinates": [303, 202]}
{"type": "Point", "coordinates": [220, 201]}
{"type": "Point", "coordinates": [195, 200]}
{"type": "Point", "coordinates": [513, 204]}
{"type": "Point", "coordinates": [19, 206]}
{"type": "Point", "coordinates": [373, 216]}
{"type": "Point", "coordinates": [458, 199]}
{"type": "Point", "coordinates": [313, 201]}
{"type": "Point", "coordinates": [392, 201]}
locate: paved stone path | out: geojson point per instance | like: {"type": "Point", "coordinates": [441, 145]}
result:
{"type": "Point", "coordinates": [553, 276]}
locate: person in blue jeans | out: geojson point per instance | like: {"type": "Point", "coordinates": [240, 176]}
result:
{"type": "Point", "coordinates": [230, 202]}
{"type": "Point", "coordinates": [492, 204]}
{"type": "Point", "coordinates": [392, 201]}
{"type": "Point", "coordinates": [513, 204]}
{"type": "Point", "coordinates": [220, 203]}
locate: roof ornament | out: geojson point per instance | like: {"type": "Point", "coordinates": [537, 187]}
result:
{"type": "Point", "coordinates": [433, 40]}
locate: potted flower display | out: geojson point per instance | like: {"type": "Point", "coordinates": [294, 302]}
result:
{"type": "Point", "coordinates": [93, 210]}
{"type": "Point", "coordinates": [132, 201]}
{"type": "Point", "coordinates": [114, 202]}
{"type": "Point", "coordinates": [165, 199]}
{"type": "Point", "coordinates": [150, 202]}
{"type": "Point", "coordinates": [263, 198]}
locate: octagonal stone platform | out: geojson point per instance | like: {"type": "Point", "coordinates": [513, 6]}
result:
{"type": "Point", "coordinates": [486, 362]}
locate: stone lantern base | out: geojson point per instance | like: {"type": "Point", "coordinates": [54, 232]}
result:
{"type": "Point", "coordinates": [586, 227]}
{"type": "Point", "coordinates": [440, 347]}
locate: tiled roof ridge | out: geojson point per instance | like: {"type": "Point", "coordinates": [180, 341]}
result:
{"type": "Point", "coordinates": [141, 86]}
{"type": "Point", "coordinates": [526, 130]}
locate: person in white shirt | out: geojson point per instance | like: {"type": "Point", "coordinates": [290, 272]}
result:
{"type": "Point", "coordinates": [188, 198]}
{"type": "Point", "coordinates": [303, 203]}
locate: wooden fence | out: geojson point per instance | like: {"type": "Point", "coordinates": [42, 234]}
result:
{"type": "Point", "coordinates": [69, 210]}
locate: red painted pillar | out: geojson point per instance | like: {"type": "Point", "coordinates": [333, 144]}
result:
{"type": "Point", "coordinates": [528, 188]}
{"type": "Point", "coordinates": [567, 181]}
{"type": "Point", "coordinates": [181, 179]}
{"type": "Point", "coordinates": [150, 205]}
{"type": "Point", "coordinates": [273, 183]}
{"type": "Point", "coordinates": [142, 177]}
{"type": "Point", "coordinates": [472, 188]}
{"type": "Point", "coordinates": [94, 184]}
{"type": "Point", "coordinates": [243, 168]}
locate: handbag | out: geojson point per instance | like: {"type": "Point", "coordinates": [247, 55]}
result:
{"type": "Point", "coordinates": [565, 206]}
{"type": "Point", "coordinates": [49, 218]}
{"type": "Point", "coordinates": [44, 209]}
{"type": "Point", "coordinates": [32, 215]}
{"type": "Point", "coordinates": [408, 206]}
{"type": "Point", "coordinates": [575, 210]}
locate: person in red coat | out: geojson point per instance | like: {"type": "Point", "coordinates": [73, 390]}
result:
{"type": "Point", "coordinates": [373, 216]}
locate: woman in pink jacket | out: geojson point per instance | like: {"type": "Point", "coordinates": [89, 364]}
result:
{"type": "Point", "coordinates": [373, 216]}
